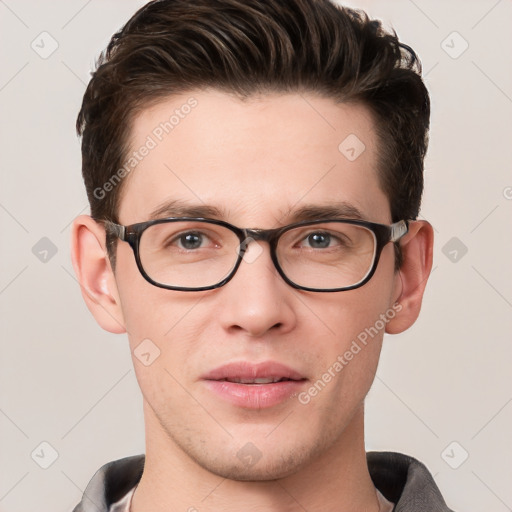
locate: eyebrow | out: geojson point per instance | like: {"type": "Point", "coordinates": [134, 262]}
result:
{"type": "Point", "coordinates": [335, 210]}
{"type": "Point", "coordinates": [179, 208]}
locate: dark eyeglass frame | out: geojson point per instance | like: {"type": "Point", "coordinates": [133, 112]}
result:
{"type": "Point", "coordinates": [383, 235]}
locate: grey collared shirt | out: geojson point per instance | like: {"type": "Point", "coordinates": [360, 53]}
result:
{"type": "Point", "coordinates": [401, 479]}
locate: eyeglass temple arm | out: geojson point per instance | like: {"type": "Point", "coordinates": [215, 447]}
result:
{"type": "Point", "coordinates": [115, 229]}
{"type": "Point", "coordinates": [398, 230]}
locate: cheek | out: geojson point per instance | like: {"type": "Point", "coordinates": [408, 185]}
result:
{"type": "Point", "coordinates": [149, 311]}
{"type": "Point", "coordinates": [346, 363]}
{"type": "Point", "coordinates": [348, 337]}
{"type": "Point", "coordinates": [348, 357]}
{"type": "Point", "coordinates": [165, 329]}
{"type": "Point", "coordinates": [354, 315]}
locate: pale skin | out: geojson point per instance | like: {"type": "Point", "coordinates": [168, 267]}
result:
{"type": "Point", "coordinates": [257, 160]}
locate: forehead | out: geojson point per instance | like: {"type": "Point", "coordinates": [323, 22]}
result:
{"type": "Point", "coordinates": [254, 161]}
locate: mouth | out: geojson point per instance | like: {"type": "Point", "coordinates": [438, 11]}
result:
{"type": "Point", "coordinates": [246, 372]}
{"type": "Point", "coordinates": [261, 380]}
{"type": "Point", "coordinates": [254, 386]}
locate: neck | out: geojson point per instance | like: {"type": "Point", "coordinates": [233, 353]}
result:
{"type": "Point", "coordinates": [337, 480]}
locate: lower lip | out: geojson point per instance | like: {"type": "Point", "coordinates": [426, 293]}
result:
{"type": "Point", "coordinates": [256, 396]}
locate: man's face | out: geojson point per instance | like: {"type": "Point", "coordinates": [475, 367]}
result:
{"type": "Point", "coordinates": [257, 161]}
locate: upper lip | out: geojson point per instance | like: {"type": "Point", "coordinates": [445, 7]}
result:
{"type": "Point", "coordinates": [248, 370]}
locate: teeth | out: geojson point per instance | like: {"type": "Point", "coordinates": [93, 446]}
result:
{"type": "Point", "coordinates": [261, 380]}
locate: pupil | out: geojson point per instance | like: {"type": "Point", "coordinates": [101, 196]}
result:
{"type": "Point", "coordinates": [191, 241]}
{"type": "Point", "coordinates": [319, 240]}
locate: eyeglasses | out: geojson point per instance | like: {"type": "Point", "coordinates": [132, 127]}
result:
{"type": "Point", "coordinates": [195, 254]}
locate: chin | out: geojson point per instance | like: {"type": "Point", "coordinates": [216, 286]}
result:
{"type": "Point", "coordinates": [259, 472]}
{"type": "Point", "coordinates": [249, 464]}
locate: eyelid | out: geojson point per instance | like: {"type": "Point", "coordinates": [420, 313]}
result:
{"type": "Point", "coordinates": [309, 230]}
{"type": "Point", "coordinates": [176, 237]}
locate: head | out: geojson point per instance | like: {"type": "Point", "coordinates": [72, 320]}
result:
{"type": "Point", "coordinates": [245, 106]}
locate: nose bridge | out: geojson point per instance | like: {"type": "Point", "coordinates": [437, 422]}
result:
{"type": "Point", "coordinates": [263, 235]}
{"type": "Point", "coordinates": [256, 300]}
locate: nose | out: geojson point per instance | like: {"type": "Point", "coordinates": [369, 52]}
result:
{"type": "Point", "coordinates": [257, 300]}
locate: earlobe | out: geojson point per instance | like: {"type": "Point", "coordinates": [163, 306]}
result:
{"type": "Point", "coordinates": [94, 273]}
{"type": "Point", "coordinates": [417, 250]}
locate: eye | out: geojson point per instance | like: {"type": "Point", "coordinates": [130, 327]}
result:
{"type": "Point", "coordinates": [321, 240]}
{"type": "Point", "coordinates": [190, 240]}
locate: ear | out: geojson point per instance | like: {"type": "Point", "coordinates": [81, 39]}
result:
{"type": "Point", "coordinates": [417, 249]}
{"type": "Point", "coordinates": [95, 275]}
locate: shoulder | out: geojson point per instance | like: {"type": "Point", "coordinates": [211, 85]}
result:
{"type": "Point", "coordinates": [110, 483]}
{"type": "Point", "coordinates": [406, 482]}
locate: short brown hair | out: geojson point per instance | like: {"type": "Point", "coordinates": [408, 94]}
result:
{"type": "Point", "coordinates": [255, 46]}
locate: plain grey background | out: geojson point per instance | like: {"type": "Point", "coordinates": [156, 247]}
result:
{"type": "Point", "coordinates": [442, 391]}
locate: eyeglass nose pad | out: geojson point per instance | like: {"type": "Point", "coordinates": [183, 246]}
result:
{"type": "Point", "coordinates": [250, 254]}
